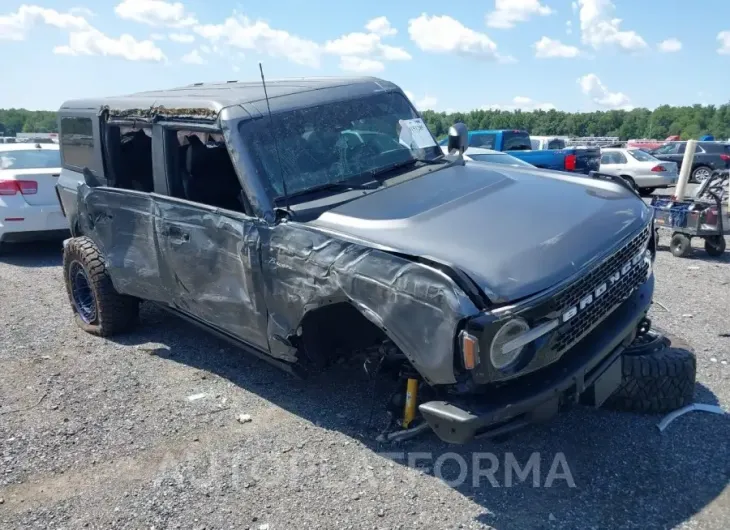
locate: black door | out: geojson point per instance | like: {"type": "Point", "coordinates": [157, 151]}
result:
{"type": "Point", "coordinates": [122, 224]}
{"type": "Point", "coordinates": [211, 258]}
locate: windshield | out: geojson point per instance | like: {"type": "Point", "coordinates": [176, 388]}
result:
{"type": "Point", "coordinates": [337, 142]}
{"type": "Point", "coordinates": [30, 159]}
{"type": "Point", "coordinates": [500, 159]}
{"type": "Point", "coordinates": [642, 156]}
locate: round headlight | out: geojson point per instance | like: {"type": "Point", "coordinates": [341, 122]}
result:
{"type": "Point", "coordinates": [500, 356]}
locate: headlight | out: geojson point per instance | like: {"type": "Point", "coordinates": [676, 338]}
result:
{"type": "Point", "coordinates": [500, 356]}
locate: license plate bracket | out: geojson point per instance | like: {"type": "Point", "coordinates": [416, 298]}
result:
{"type": "Point", "coordinates": [606, 384]}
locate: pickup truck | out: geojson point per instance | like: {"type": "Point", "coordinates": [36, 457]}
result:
{"type": "Point", "coordinates": [517, 143]}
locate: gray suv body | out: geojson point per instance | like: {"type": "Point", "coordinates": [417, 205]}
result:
{"type": "Point", "coordinates": [308, 230]}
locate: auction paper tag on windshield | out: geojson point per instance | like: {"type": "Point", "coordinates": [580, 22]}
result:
{"type": "Point", "coordinates": [416, 134]}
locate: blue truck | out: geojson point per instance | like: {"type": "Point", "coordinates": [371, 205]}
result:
{"type": "Point", "coordinates": [517, 143]}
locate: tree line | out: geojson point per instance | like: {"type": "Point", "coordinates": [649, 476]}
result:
{"type": "Point", "coordinates": [664, 121]}
{"type": "Point", "coordinates": [688, 122]}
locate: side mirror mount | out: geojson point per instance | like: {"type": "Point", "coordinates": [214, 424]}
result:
{"type": "Point", "coordinates": [90, 179]}
{"type": "Point", "coordinates": [458, 139]}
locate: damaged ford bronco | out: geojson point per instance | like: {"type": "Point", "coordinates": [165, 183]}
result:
{"type": "Point", "coordinates": [321, 218]}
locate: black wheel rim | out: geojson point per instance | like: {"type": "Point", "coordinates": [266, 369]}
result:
{"type": "Point", "coordinates": [82, 295]}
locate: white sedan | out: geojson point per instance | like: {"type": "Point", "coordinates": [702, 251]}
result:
{"type": "Point", "coordinates": [29, 206]}
{"type": "Point", "coordinates": [642, 170]}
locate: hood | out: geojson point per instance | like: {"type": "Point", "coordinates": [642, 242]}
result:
{"type": "Point", "coordinates": [515, 232]}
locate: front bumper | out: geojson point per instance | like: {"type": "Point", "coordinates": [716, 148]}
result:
{"type": "Point", "coordinates": [576, 376]}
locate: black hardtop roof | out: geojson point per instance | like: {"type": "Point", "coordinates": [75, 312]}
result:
{"type": "Point", "coordinates": [206, 100]}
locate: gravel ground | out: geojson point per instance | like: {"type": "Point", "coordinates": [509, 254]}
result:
{"type": "Point", "coordinates": [147, 431]}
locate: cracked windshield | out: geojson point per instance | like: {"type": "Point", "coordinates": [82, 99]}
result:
{"type": "Point", "coordinates": [340, 142]}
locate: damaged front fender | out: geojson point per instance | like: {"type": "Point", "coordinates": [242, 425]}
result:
{"type": "Point", "coordinates": [417, 306]}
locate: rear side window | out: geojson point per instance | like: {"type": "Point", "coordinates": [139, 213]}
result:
{"type": "Point", "coordinates": [516, 141]}
{"type": "Point", "coordinates": [77, 142]}
{"type": "Point", "coordinates": [30, 159]}
{"type": "Point", "coordinates": [482, 140]}
{"type": "Point", "coordinates": [556, 144]}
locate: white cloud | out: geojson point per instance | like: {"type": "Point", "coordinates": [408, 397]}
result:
{"type": "Point", "coordinates": [521, 103]}
{"type": "Point", "coordinates": [547, 48]}
{"type": "Point", "coordinates": [84, 39]}
{"type": "Point", "coordinates": [360, 65]}
{"type": "Point", "coordinates": [592, 87]}
{"type": "Point", "coordinates": [508, 12]}
{"type": "Point", "coordinates": [193, 57]}
{"type": "Point", "coordinates": [94, 42]}
{"type": "Point", "coordinates": [381, 26]}
{"type": "Point", "coordinates": [724, 38]}
{"type": "Point", "coordinates": [16, 26]}
{"type": "Point", "coordinates": [425, 103]}
{"type": "Point", "coordinates": [599, 29]}
{"type": "Point", "coordinates": [158, 36]}
{"type": "Point", "coordinates": [155, 13]}
{"type": "Point", "coordinates": [365, 52]}
{"type": "Point", "coordinates": [443, 34]}
{"type": "Point", "coordinates": [183, 38]}
{"type": "Point", "coordinates": [670, 45]}
{"type": "Point", "coordinates": [241, 32]}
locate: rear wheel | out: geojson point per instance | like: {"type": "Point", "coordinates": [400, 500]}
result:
{"type": "Point", "coordinates": [98, 308]}
{"type": "Point", "coordinates": [701, 174]}
{"type": "Point", "coordinates": [680, 245]}
{"type": "Point", "coordinates": [715, 246]}
{"type": "Point", "coordinates": [645, 192]}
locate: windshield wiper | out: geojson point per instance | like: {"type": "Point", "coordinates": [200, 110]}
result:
{"type": "Point", "coordinates": [335, 186]}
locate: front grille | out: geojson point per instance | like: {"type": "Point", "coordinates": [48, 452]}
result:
{"type": "Point", "coordinates": [587, 319]}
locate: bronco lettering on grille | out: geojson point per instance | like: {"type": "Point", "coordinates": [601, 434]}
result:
{"type": "Point", "coordinates": [599, 291]}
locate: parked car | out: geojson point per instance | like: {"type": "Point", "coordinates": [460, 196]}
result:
{"type": "Point", "coordinates": [491, 156]}
{"type": "Point", "coordinates": [709, 156]}
{"type": "Point", "coordinates": [518, 144]}
{"type": "Point", "coordinates": [29, 208]}
{"type": "Point", "coordinates": [639, 168]}
{"type": "Point", "coordinates": [268, 222]}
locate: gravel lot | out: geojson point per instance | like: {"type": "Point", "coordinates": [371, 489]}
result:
{"type": "Point", "coordinates": [146, 431]}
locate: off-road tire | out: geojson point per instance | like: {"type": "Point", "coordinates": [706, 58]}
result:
{"type": "Point", "coordinates": [680, 245]}
{"type": "Point", "coordinates": [657, 378]}
{"type": "Point", "coordinates": [715, 246]}
{"type": "Point", "coordinates": [115, 313]}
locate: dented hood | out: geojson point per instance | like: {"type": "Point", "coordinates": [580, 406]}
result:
{"type": "Point", "coordinates": [515, 232]}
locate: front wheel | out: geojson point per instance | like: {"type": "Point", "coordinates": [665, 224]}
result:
{"type": "Point", "coordinates": [680, 246]}
{"type": "Point", "coordinates": [98, 308]}
{"type": "Point", "coordinates": [715, 246]}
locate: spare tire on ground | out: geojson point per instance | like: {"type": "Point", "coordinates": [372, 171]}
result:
{"type": "Point", "coordinates": [659, 375]}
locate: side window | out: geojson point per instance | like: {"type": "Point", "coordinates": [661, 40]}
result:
{"type": "Point", "coordinates": [77, 143]}
{"type": "Point", "coordinates": [606, 158]}
{"type": "Point", "coordinates": [129, 157]}
{"type": "Point", "coordinates": [681, 149]}
{"type": "Point", "coordinates": [205, 172]}
{"type": "Point", "coordinates": [482, 140]}
{"type": "Point", "coordinates": [620, 158]}
{"type": "Point", "coordinates": [556, 144]}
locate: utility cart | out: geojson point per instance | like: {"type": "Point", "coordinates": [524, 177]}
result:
{"type": "Point", "coordinates": [705, 215]}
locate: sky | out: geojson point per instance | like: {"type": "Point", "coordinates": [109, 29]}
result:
{"type": "Point", "coordinates": [582, 55]}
